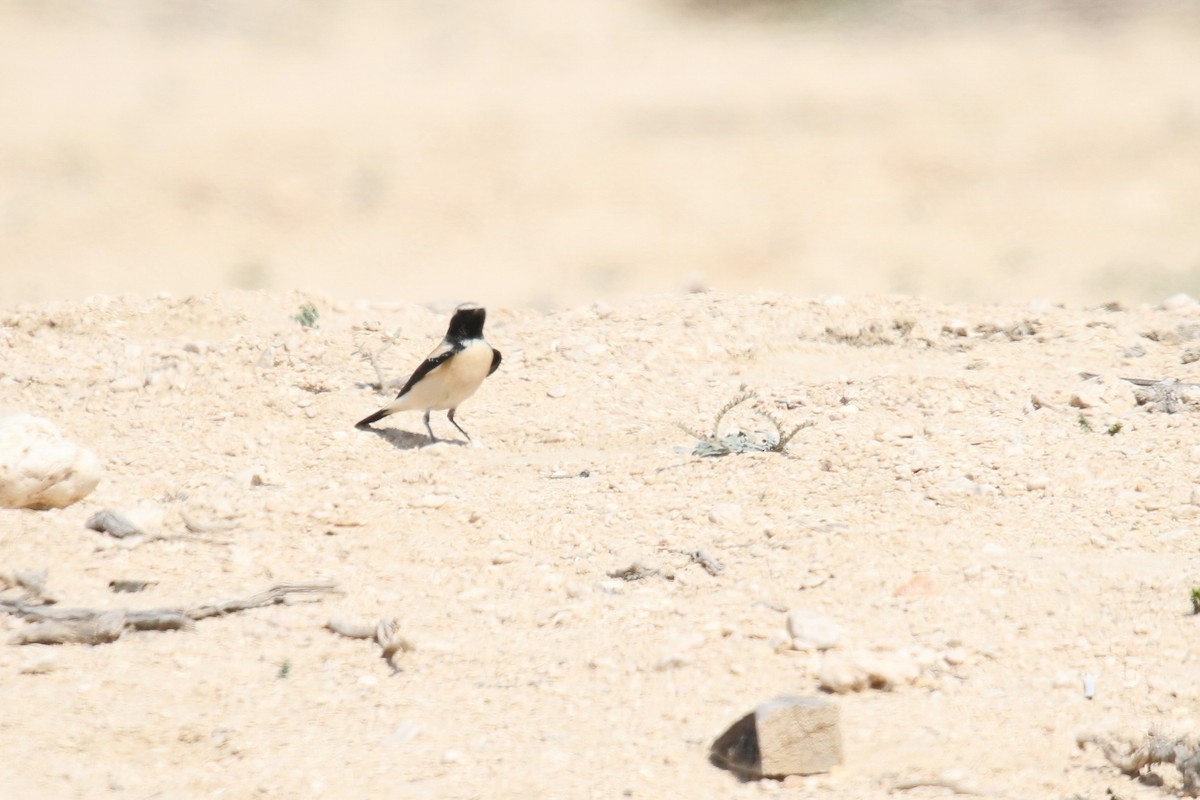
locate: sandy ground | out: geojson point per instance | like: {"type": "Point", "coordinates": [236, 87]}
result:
{"type": "Point", "coordinates": [933, 503]}
{"type": "Point", "coordinates": [540, 157]}
{"type": "Point", "coordinates": [539, 154]}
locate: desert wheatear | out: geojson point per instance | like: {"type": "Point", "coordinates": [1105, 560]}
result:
{"type": "Point", "coordinates": [448, 375]}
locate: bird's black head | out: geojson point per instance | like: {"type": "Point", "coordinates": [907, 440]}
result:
{"type": "Point", "coordinates": [467, 322]}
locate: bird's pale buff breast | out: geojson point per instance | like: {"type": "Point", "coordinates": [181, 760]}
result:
{"type": "Point", "coordinates": [450, 383]}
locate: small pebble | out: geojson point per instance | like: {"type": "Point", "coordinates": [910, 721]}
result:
{"type": "Point", "coordinates": [431, 501]}
{"type": "Point", "coordinates": [955, 656]}
{"type": "Point", "coordinates": [38, 662]}
{"type": "Point", "coordinates": [811, 631]}
{"type": "Point", "coordinates": [1179, 302]}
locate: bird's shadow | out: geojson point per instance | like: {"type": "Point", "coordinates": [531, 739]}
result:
{"type": "Point", "coordinates": [406, 440]}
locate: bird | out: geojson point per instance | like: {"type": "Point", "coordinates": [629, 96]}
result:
{"type": "Point", "coordinates": [448, 375]}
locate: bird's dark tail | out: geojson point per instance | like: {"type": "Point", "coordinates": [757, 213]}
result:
{"type": "Point", "coordinates": [366, 422]}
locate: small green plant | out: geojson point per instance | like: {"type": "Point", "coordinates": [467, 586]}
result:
{"type": "Point", "coordinates": [1196, 599]}
{"type": "Point", "coordinates": [714, 444]}
{"type": "Point", "coordinates": [1114, 429]}
{"type": "Point", "coordinates": [307, 316]}
{"type": "Point", "coordinates": [1084, 424]}
{"type": "Point", "coordinates": [285, 669]}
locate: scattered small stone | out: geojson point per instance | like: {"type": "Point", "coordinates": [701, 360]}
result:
{"type": "Point", "coordinates": [956, 327]}
{"type": "Point", "coordinates": [955, 656]}
{"type": "Point", "coordinates": [1179, 302]}
{"type": "Point", "coordinates": [127, 383]}
{"type": "Point", "coordinates": [39, 660]}
{"type": "Point", "coordinates": [113, 523]}
{"type": "Point", "coordinates": [431, 501]}
{"type": "Point", "coordinates": [130, 586]}
{"type": "Point", "coordinates": [32, 581]}
{"type": "Point", "coordinates": [811, 631]}
{"type": "Point", "coordinates": [1037, 483]}
{"type": "Point", "coordinates": [783, 736]}
{"type": "Point", "coordinates": [842, 673]}
{"type": "Point", "coordinates": [673, 661]}
{"type": "Point", "coordinates": [39, 469]}
{"type": "Point", "coordinates": [919, 585]}
{"type": "Point", "coordinates": [634, 572]}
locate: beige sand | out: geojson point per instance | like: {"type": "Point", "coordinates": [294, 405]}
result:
{"type": "Point", "coordinates": [539, 154]}
{"type": "Point", "coordinates": [397, 159]}
{"type": "Point", "coordinates": [929, 505]}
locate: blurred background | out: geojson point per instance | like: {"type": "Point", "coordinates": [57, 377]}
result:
{"type": "Point", "coordinates": [536, 153]}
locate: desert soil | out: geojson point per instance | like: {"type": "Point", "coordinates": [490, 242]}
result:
{"type": "Point", "coordinates": [946, 496]}
{"type": "Point", "coordinates": [538, 154]}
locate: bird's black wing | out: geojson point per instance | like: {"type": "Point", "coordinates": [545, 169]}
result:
{"type": "Point", "coordinates": [436, 359]}
{"type": "Point", "coordinates": [495, 361]}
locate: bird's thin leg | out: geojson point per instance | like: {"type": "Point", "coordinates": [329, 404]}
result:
{"type": "Point", "coordinates": [450, 416]}
{"type": "Point", "coordinates": [429, 427]}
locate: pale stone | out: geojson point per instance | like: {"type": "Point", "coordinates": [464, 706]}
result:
{"type": "Point", "coordinates": [810, 631]}
{"type": "Point", "coordinates": [39, 469]}
{"type": "Point", "coordinates": [783, 736]}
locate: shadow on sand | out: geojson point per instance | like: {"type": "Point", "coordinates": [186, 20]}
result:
{"type": "Point", "coordinates": [407, 440]}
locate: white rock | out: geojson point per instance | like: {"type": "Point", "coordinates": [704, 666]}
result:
{"type": "Point", "coordinates": [1179, 302]}
{"type": "Point", "coordinates": [893, 669]}
{"type": "Point", "coordinates": [858, 670]}
{"type": "Point", "coordinates": [842, 673]}
{"type": "Point", "coordinates": [955, 656]}
{"type": "Point", "coordinates": [39, 469]}
{"type": "Point", "coordinates": [812, 631]}
{"type": "Point", "coordinates": [127, 383]}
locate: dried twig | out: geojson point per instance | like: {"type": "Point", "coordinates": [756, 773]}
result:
{"type": "Point", "coordinates": [634, 572]}
{"type": "Point", "coordinates": [33, 581]}
{"type": "Point", "coordinates": [714, 444]}
{"type": "Point", "coordinates": [955, 786]}
{"type": "Point", "coordinates": [710, 564]}
{"type": "Point", "coordinates": [87, 626]}
{"type": "Point", "coordinates": [372, 357]}
{"type": "Point", "coordinates": [384, 634]}
{"type": "Point", "coordinates": [1168, 395]}
{"type": "Point", "coordinates": [196, 526]}
{"type": "Point", "coordinates": [1132, 758]}
{"type": "Point", "coordinates": [782, 439]}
